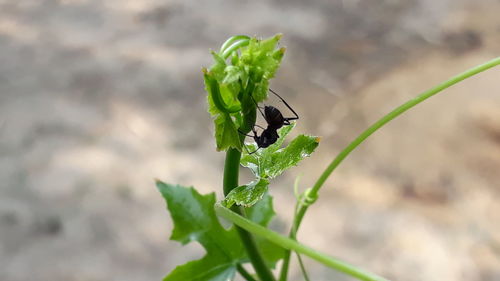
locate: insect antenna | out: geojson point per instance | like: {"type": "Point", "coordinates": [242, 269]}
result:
{"type": "Point", "coordinates": [258, 107]}
{"type": "Point", "coordinates": [287, 105]}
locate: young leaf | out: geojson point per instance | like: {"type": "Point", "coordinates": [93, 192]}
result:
{"type": "Point", "coordinates": [247, 195]}
{"type": "Point", "coordinates": [272, 161]}
{"type": "Point", "coordinates": [251, 161]}
{"type": "Point", "coordinates": [233, 73]}
{"type": "Point", "coordinates": [219, 67]}
{"type": "Point", "coordinates": [226, 134]}
{"type": "Point", "coordinates": [299, 148]}
{"type": "Point", "coordinates": [282, 133]}
{"type": "Point", "coordinates": [262, 60]}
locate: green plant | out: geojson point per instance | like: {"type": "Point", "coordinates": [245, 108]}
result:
{"type": "Point", "coordinates": [241, 71]}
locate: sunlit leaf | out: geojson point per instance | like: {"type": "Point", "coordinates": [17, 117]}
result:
{"type": "Point", "coordinates": [247, 195]}
{"type": "Point", "coordinates": [233, 73]}
{"type": "Point", "coordinates": [251, 161]}
{"type": "Point", "coordinates": [299, 148]}
{"type": "Point", "coordinates": [208, 268]}
{"type": "Point", "coordinates": [194, 220]}
{"type": "Point", "coordinates": [270, 162]}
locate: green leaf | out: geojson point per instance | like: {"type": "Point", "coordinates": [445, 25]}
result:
{"type": "Point", "coordinates": [226, 78]}
{"type": "Point", "coordinates": [226, 134]}
{"type": "Point", "coordinates": [272, 161]}
{"type": "Point", "coordinates": [209, 268]}
{"type": "Point", "coordinates": [247, 195]}
{"type": "Point", "coordinates": [233, 73]}
{"type": "Point", "coordinates": [260, 91]}
{"type": "Point", "coordinates": [282, 133]}
{"type": "Point", "coordinates": [219, 67]}
{"type": "Point", "coordinates": [262, 212]}
{"type": "Point", "coordinates": [221, 99]}
{"type": "Point", "coordinates": [299, 148]}
{"type": "Point", "coordinates": [194, 220]}
{"type": "Point", "coordinates": [221, 103]}
{"type": "Point", "coordinates": [229, 93]}
{"type": "Point", "coordinates": [252, 161]}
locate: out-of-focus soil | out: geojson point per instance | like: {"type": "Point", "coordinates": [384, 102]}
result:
{"type": "Point", "coordinates": [97, 98]}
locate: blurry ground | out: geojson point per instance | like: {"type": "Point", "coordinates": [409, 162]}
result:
{"type": "Point", "coordinates": [97, 98]}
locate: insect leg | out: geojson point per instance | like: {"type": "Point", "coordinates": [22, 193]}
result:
{"type": "Point", "coordinates": [259, 126]}
{"type": "Point", "coordinates": [250, 153]}
{"type": "Point", "coordinates": [245, 134]}
{"type": "Point", "coordinates": [254, 137]}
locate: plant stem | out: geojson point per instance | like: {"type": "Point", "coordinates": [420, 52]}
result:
{"type": "Point", "coordinates": [302, 267]}
{"type": "Point", "coordinates": [231, 173]}
{"type": "Point", "coordinates": [291, 244]}
{"type": "Point", "coordinates": [395, 113]}
{"type": "Point", "coordinates": [368, 132]}
{"type": "Point", "coordinates": [231, 170]}
{"type": "Point", "coordinates": [291, 235]}
{"type": "Point", "coordinates": [299, 215]}
{"type": "Point", "coordinates": [244, 273]}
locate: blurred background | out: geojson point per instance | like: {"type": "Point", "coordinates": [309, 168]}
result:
{"type": "Point", "coordinates": [98, 98]}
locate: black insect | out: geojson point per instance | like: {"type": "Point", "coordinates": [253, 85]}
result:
{"type": "Point", "coordinates": [275, 120]}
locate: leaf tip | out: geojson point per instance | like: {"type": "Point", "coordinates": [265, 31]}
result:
{"type": "Point", "coordinates": [227, 203]}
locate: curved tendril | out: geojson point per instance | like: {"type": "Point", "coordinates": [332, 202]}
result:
{"type": "Point", "coordinates": [293, 245]}
{"type": "Point", "coordinates": [231, 40]}
{"type": "Point", "coordinates": [238, 44]}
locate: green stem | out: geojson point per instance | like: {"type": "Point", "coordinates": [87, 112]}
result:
{"type": "Point", "coordinates": [291, 244]}
{"type": "Point", "coordinates": [368, 132]}
{"type": "Point", "coordinates": [302, 267]}
{"type": "Point", "coordinates": [231, 173]}
{"type": "Point", "coordinates": [395, 113]}
{"type": "Point", "coordinates": [231, 170]}
{"type": "Point", "coordinates": [291, 235]}
{"type": "Point", "coordinates": [216, 96]}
